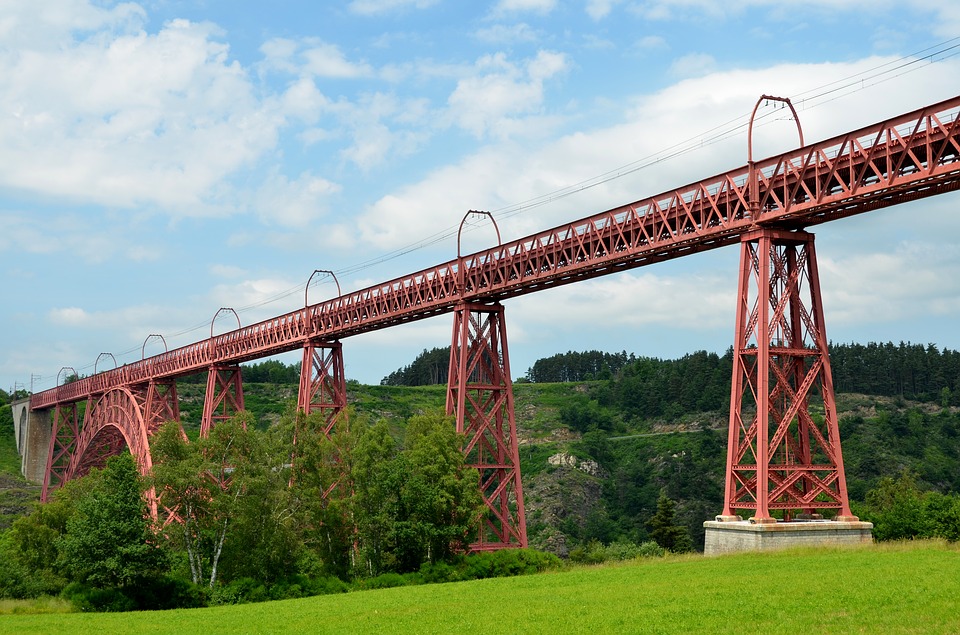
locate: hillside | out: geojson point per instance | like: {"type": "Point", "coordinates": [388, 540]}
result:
{"type": "Point", "coordinates": [593, 468]}
{"type": "Point", "coordinates": [17, 497]}
{"type": "Point", "coordinates": [612, 466]}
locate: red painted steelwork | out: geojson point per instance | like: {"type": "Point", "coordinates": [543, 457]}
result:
{"type": "Point", "coordinates": [480, 394]}
{"type": "Point", "coordinates": [322, 385]}
{"type": "Point", "coordinates": [63, 440]}
{"type": "Point", "coordinates": [778, 456]}
{"type": "Point", "coordinates": [161, 404]}
{"type": "Point", "coordinates": [223, 398]}
{"type": "Point", "coordinates": [903, 159]}
{"type": "Point", "coordinates": [912, 156]}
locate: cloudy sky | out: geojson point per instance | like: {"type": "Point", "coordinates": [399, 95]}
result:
{"type": "Point", "coordinates": [162, 159]}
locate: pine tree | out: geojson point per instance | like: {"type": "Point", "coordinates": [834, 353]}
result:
{"type": "Point", "coordinates": [665, 531]}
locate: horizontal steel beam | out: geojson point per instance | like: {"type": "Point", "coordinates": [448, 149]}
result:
{"type": "Point", "coordinates": [913, 156]}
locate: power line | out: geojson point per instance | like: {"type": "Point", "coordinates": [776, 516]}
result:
{"type": "Point", "coordinates": [813, 97]}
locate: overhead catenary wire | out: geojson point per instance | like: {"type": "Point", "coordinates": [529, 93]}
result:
{"type": "Point", "coordinates": [813, 97]}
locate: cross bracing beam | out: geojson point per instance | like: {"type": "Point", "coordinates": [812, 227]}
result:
{"type": "Point", "coordinates": [913, 156]}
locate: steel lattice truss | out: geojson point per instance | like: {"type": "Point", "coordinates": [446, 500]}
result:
{"type": "Point", "coordinates": [912, 156]}
{"type": "Point", "coordinates": [480, 395]}
{"type": "Point", "coordinates": [779, 459]}
{"type": "Point", "coordinates": [778, 455]}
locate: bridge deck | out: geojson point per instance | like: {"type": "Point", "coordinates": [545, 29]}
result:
{"type": "Point", "coordinates": [912, 156]}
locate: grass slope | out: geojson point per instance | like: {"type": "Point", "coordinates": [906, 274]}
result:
{"type": "Point", "coordinates": [898, 588]}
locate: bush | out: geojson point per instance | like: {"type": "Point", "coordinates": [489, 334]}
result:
{"type": "Point", "coordinates": [240, 591]}
{"type": "Point", "coordinates": [327, 585]}
{"type": "Point", "coordinates": [383, 581]}
{"type": "Point", "coordinates": [596, 553]}
{"type": "Point", "coordinates": [438, 572]}
{"type": "Point", "coordinates": [650, 549]}
{"type": "Point", "coordinates": [165, 592]}
{"type": "Point", "coordinates": [88, 599]}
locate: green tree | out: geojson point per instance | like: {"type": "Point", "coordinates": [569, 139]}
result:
{"type": "Point", "coordinates": [376, 481]}
{"type": "Point", "coordinates": [212, 487]}
{"type": "Point", "coordinates": [439, 498]}
{"type": "Point", "coordinates": [108, 541]}
{"type": "Point", "coordinates": [30, 550]}
{"type": "Point", "coordinates": [322, 489]}
{"type": "Point", "coordinates": [664, 529]}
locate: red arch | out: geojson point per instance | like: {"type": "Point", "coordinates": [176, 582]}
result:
{"type": "Point", "coordinates": [114, 421]}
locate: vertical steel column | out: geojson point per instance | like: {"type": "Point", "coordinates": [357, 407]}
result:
{"type": "Point", "coordinates": [779, 457]}
{"type": "Point", "coordinates": [480, 394]}
{"type": "Point", "coordinates": [224, 396]}
{"type": "Point", "coordinates": [161, 404]}
{"type": "Point", "coordinates": [63, 444]}
{"type": "Point", "coordinates": [322, 385]}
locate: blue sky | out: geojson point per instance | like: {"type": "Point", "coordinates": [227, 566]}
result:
{"type": "Point", "coordinates": [162, 159]}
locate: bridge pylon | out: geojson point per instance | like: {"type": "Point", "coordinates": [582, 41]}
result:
{"type": "Point", "coordinates": [480, 395]}
{"type": "Point", "coordinates": [160, 404]}
{"type": "Point", "coordinates": [63, 443]}
{"type": "Point", "coordinates": [782, 456]}
{"type": "Point", "coordinates": [223, 398]}
{"type": "Point", "coordinates": [322, 385]}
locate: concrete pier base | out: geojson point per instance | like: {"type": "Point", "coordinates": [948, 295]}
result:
{"type": "Point", "coordinates": [729, 536]}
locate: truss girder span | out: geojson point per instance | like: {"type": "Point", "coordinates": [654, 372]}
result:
{"type": "Point", "coordinates": [905, 158]}
{"type": "Point", "coordinates": [779, 455]}
{"type": "Point", "coordinates": [480, 396]}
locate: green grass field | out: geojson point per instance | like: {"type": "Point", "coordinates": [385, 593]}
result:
{"type": "Point", "coordinates": [894, 588]}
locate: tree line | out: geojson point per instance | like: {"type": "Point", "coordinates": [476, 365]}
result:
{"type": "Point", "coordinates": [248, 514]}
{"type": "Point", "coordinates": [428, 368]}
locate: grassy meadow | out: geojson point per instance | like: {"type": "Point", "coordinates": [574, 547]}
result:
{"type": "Point", "coordinates": [891, 588]}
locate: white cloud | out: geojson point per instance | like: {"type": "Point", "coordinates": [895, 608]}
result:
{"type": "Point", "coordinates": [692, 65]}
{"type": "Point", "coordinates": [599, 9]}
{"type": "Point", "coordinates": [69, 316]}
{"type": "Point", "coordinates": [634, 300]}
{"type": "Point", "coordinates": [651, 43]}
{"type": "Point", "coordinates": [304, 101]}
{"type": "Point", "coordinates": [900, 283]}
{"type": "Point", "coordinates": [500, 91]}
{"type": "Point", "coordinates": [25, 23]}
{"type": "Point", "coordinates": [294, 203]}
{"type": "Point", "coordinates": [327, 60]}
{"type": "Point", "coordinates": [501, 33]}
{"type": "Point", "coordinates": [507, 172]}
{"type": "Point", "coordinates": [376, 7]}
{"type": "Point", "coordinates": [130, 119]}
{"type": "Point", "coordinates": [945, 16]}
{"type": "Point", "coordinates": [123, 326]}
{"type": "Point", "coordinates": [257, 299]}
{"type": "Point", "coordinates": [227, 271]}
{"type": "Point", "coordinates": [311, 56]}
{"type": "Point", "coordinates": [513, 6]}
{"type": "Point", "coordinates": [74, 234]}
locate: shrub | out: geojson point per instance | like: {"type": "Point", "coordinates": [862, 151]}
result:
{"type": "Point", "coordinates": [437, 572]}
{"type": "Point", "coordinates": [88, 599]}
{"type": "Point", "coordinates": [327, 585]}
{"type": "Point", "coordinates": [240, 591]}
{"type": "Point", "coordinates": [596, 553]}
{"type": "Point", "coordinates": [383, 581]}
{"type": "Point", "coordinates": [165, 592]}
